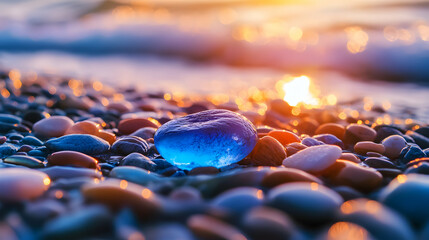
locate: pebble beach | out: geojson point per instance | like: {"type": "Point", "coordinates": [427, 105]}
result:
{"type": "Point", "coordinates": [83, 160]}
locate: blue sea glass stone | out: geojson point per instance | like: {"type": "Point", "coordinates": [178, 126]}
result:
{"type": "Point", "coordinates": [209, 138]}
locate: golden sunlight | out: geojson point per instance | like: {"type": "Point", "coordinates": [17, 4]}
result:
{"type": "Point", "coordinates": [298, 91]}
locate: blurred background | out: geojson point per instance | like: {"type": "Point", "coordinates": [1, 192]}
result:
{"type": "Point", "coordinates": [375, 50]}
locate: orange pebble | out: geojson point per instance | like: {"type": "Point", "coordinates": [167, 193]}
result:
{"type": "Point", "coordinates": [367, 146]}
{"type": "Point", "coordinates": [332, 128]}
{"type": "Point", "coordinates": [64, 158]}
{"type": "Point", "coordinates": [284, 137]}
{"type": "Point", "coordinates": [84, 127]}
{"type": "Point", "coordinates": [350, 157]}
{"type": "Point", "coordinates": [128, 126]}
{"type": "Point", "coordinates": [108, 136]}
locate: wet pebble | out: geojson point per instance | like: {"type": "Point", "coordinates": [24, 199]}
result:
{"type": "Point", "coordinates": [26, 161]}
{"type": "Point", "coordinates": [54, 126]}
{"type": "Point", "coordinates": [57, 172]}
{"type": "Point", "coordinates": [31, 140]}
{"type": "Point", "coordinates": [238, 201]}
{"type": "Point", "coordinates": [378, 163]}
{"type": "Point", "coordinates": [203, 171]}
{"type": "Point", "coordinates": [358, 132]}
{"type": "Point", "coordinates": [83, 143]}
{"type": "Point", "coordinates": [206, 227]}
{"type": "Point", "coordinates": [411, 152]}
{"type": "Point", "coordinates": [8, 118]}
{"type": "Point", "coordinates": [145, 133]}
{"type": "Point", "coordinates": [130, 144]}
{"type": "Point", "coordinates": [139, 160]}
{"type": "Point", "coordinates": [18, 184]}
{"type": "Point", "coordinates": [286, 175]}
{"type": "Point", "coordinates": [284, 137]}
{"type": "Point", "coordinates": [393, 146]}
{"type": "Point", "coordinates": [367, 146]}
{"type": "Point", "coordinates": [210, 138]}
{"type": "Point", "coordinates": [314, 159]}
{"type": "Point", "coordinates": [298, 200]}
{"type": "Point", "coordinates": [7, 150]}
{"type": "Point", "coordinates": [267, 152]}
{"type": "Point", "coordinates": [72, 158]}
{"type": "Point", "coordinates": [331, 128]}
{"type": "Point", "coordinates": [128, 126]}
{"type": "Point", "coordinates": [134, 174]}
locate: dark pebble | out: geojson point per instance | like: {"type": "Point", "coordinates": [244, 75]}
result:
{"type": "Point", "coordinates": [31, 140]}
{"type": "Point", "coordinates": [139, 160]}
{"type": "Point", "coordinates": [130, 144]}
{"type": "Point", "coordinates": [419, 139]}
{"type": "Point", "coordinates": [24, 161]}
{"type": "Point", "coordinates": [83, 143]}
{"type": "Point", "coordinates": [329, 139]}
{"type": "Point", "coordinates": [7, 150]}
{"type": "Point", "coordinates": [410, 153]}
{"type": "Point", "coordinates": [378, 163]}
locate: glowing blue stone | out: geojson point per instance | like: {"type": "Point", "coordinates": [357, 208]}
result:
{"type": "Point", "coordinates": [209, 138]}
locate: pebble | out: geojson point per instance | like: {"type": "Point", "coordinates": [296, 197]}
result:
{"type": "Point", "coordinates": [145, 133]}
{"type": "Point", "coordinates": [354, 175]}
{"type": "Point", "coordinates": [298, 200]}
{"type": "Point", "coordinates": [380, 221]}
{"type": "Point", "coordinates": [134, 174]}
{"type": "Point", "coordinates": [393, 146]}
{"type": "Point", "coordinates": [422, 168]}
{"type": "Point", "coordinates": [26, 161]}
{"type": "Point", "coordinates": [7, 118]}
{"type": "Point", "coordinates": [238, 201]}
{"type": "Point", "coordinates": [294, 148]}
{"type": "Point", "coordinates": [84, 127]}
{"type": "Point", "coordinates": [378, 163]}
{"type": "Point", "coordinates": [419, 139]}
{"type": "Point", "coordinates": [203, 171]}
{"type": "Point", "coordinates": [128, 126]}
{"type": "Point", "coordinates": [7, 149]}
{"type": "Point", "coordinates": [83, 143]}
{"type": "Point", "coordinates": [411, 189]}
{"type": "Point", "coordinates": [78, 224]}
{"type": "Point", "coordinates": [263, 223]}
{"type": "Point", "coordinates": [423, 131]}
{"type": "Point", "coordinates": [284, 137]}
{"type": "Point", "coordinates": [72, 158]}
{"type": "Point", "coordinates": [210, 138]}
{"type": "Point", "coordinates": [358, 132]}
{"type": "Point", "coordinates": [206, 227]}
{"type": "Point", "coordinates": [335, 129]}
{"type": "Point", "coordinates": [411, 152]}
{"type": "Point", "coordinates": [130, 144]}
{"type": "Point", "coordinates": [108, 136]}
{"type": "Point", "coordinates": [267, 152]}
{"type": "Point", "coordinates": [121, 107]}
{"type": "Point", "coordinates": [286, 175]}
{"type": "Point", "coordinates": [31, 140]}
{"type": "Point", "coordinates": [384, 132]}
{"type": "Point", "coordinates": [57, 172]}
{"type": "Point", "coordinates": [329, 139]}
{"type": "Point", "coordinates": [55, 126]}
{"type": "Point", "coordinates": [367, 146]}
{"type": "Point", "coordinates": [314, 159]}
{"type": "Point", "coordinates": [19, 184]}
{"type": "Point", "coordinates": [121, 193]}
{"type": "Point", "coordinates": [350, 157]}
{"type": "Point", "coordinates": [139, 160]}
{"type": "Point", "coordinates": [309, 142]}
{"type": "Point", "coordinates": [346, 230]}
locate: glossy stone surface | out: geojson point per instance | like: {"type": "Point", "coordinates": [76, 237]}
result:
{"type": "Point", "coordinates": [209, 138]}
{"type": "Point", "coordinates": [19, 184]}
{"type": "Point", "coordinates": [83, 143]}
{"type": "Point", "coordinates": [72, 158]}
{"type": "Point", "coordinates": [314, 159]}
{"type": "Point", "coordinates": [55, 126]}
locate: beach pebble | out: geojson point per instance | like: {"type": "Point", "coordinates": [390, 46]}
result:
{"type": "Point", "coordinates": [367, 146]}
{"type": "Point", "coordinates": [423, 131]}
{"type": "Point", "coordinates": [108, 136]}
{"type": "Point", "coordinates": [419, 139]}
{"type": "Point", "coordinates": [57, 172]}
{"type": "Point", "coordinates": [329, 139]}
{"type": "Point", "coordinates": [380, 221]}
{"type": "Point", "coordinates": [8, 118]}
{"type": "Point", "coordinates": [134, 174]}
{"type": "Point", "coordinates": [298, 200]}
{"type": "Point", "coordinates": [314, 159]}
{"type": "Point", "coordinates": [422, 168]}
{"type": "Point", "coordinates": [262, 223]}
{"type": "Point", "coordinates": [139, 160]}
{"type": "Point", "coordinates": [284, 137]}
{"type": "Point", "coordinates": [286, 175]}
{"type": "Point", "coordinates": [411, 152]}
{"type": "Point", "coordinates": [354, 175]}
{"type": "Point", "coordinates": [267, 152]}
{"type": "Point", "coordinates": [130, 144]}
{"type": "Point", "coordinates": [350, 157]}
{"type": "Point", "coordinates": [79, 223]}
{"type": "Point", "coordinates": [206, 227]}
{"type": "Point", "coordinates": [294, 148]}
{"type": "Point", "coordinates": [331, 128]}
{"type": "Point", "coordinates": [83, 143]}
{"type": "Point", "coordinates": [408, 195]}
{"type": "Point", "coordinates": [128, 126]}
{"type": "Point", "coordinates": [145, 133]}
{"type": "Point", "coordinates": [385, 131]}
{"type": "Point", "coordinates": [54, 126]}
{"type": "Point", "coordinates": [309, 142]}
{"type": "Point", "coordinates": [345, 230]}
{"type": "Point", "coordinates": [121, 107]}
{"type": "Point", "coordinates": [238, 201]}
{"type": "Point", "coordinates": [72, 158]}
{"type": "Point", "coordinates": [84, 127]}
{"type": "Point", "coordinates": [7, 149]}
{"type": "Point", "coordinates": [26, 161]}
{"type": "Point", "coordinates": [358, 132]}
{"type": "Point", "coordinates": [31, 140]}
{"type": "Point", "coordinates": [393, 146]}
{"type": "Point", "coordinates": [121, 193]}
{"type": "Point", "coordinates": [18, 184]}
{"type": "Point", "coordinates": [210, 138]}
{"type": "Point", "coordinates": [378, 163]}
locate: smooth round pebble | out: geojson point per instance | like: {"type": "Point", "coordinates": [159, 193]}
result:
{"type": "Point", "coordinates": [210, 138]}
{"type": "Point", "coordinates": [84, 127]}
{"type": "Point", "coordinates": [314, 159]}
{"type": "Point", "coordinates": [393, 146]}
{"type": "Point", "coordinates": [54, 126]}
{"type": "Point", "coordinates": [331, 128]}
{"type": "Point", "coordinates": [350, 157]}
{"type": "Point", "coordinates": [284, 137]}
{"type": "Point", "coordinates": [238, 201]}
{"type": "Point", "coordinates": [128, 126]}
{"type": "Point", "coordinates": [130, 144]}
{"type": "Point", "coordinates": [83, 143]}
{"type": "Point", "coordinates": [26, 161]}
{"type": "Point", "coordinates": [267, 152]}
{"type": "Point", "coordinates": [308, 202]}
{"type": "Point", "coordinates": [206, 227]}
{"type": "Point", "coordinates": [286, 175]}
{"type": "Point", "coordinates": [359, 132]}
{"type": "Point", "coordinates": [18, 184]}
{"type": "Point", "coordinates": [72, 158]}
